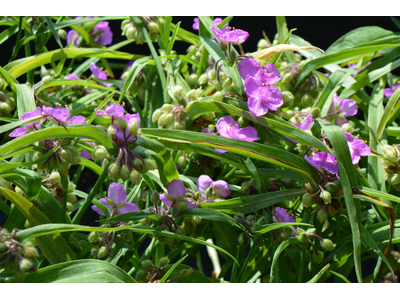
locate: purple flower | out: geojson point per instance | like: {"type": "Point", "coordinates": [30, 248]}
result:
{"type": "Point", "coordinates": [85, 154]}
{"type": "Point", "coordinates": [282, 216]}
{"type": "Point", "coordinates": [113, 110]}
{"type": "Point", "coordinates": [388, 92]}
{"type": "Point", "coordinates": [216, 21]}
{"type": "Point", "coordinates": [176, 189]}
{"type": "Point", "coordinates": [31, 125]}
{"type": "Point", "coordinates": [208, 131]}
{"type": "Point", "coordinates": [357, 147]}
{"type": "Point", "coordinates": [306, 123]}
{"type": "Point", "coordinates": [102, 33]}
{"type": "Point", "coordinates": [74, 36]}
{"type": "Point", "coordinates": [346, 107]}
{"type": "Point", "coordinates": [127, 136]}
{"type": "Point", "coordinates": [116, 201]}
{"type": "Point", "coordinates": [61, 116]}
{"type": "Point", "coordinates": [323, 160]}
{"type": "Point", "coordinates": [98, 73]}
{"type": "Point", "coordinates": [72, 76]}
{"type": "Point", "coordinates": [227, 127]}
{"type": "Point", "coordinates": [261, 97]}
{"type": "Point", "coordinates": [267, 74]}
{"type": "Point", "coordinates": [220, 186]}
{"type": "Point", "coordinates": [234, 36]}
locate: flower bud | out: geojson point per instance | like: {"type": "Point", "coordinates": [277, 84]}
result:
{"type": "Point", "coordinates": [287, 96]}
{"type": "Point", "coordinates": [147, 264]}
{"type": "Point", "coordinates": [199, 92]}
{"type": "Point", "coordinates": [327, 244]}
{"type": "Point", "coordinates": [46, 79]}
{"type": "Point", "coordinates": [307, 200]}
{"type": "Point", "coordinates": [99, 153]}
{"type": "Point", "coordinates": [287, 114]}
{"type": "Point", "coordinates": [191, 81]}
{"type": "Point", "coordinates": [203, 79]}
{"type": "Point", "coordinates": [153, 27]}
{"type": "Point", "coordinates": [135, 177]}
{"type": "Point", "coordinates": [306, 101]}
{"type": "Point", "coordinates": [155, 198]}
{"type": "Point", "coordinates": [218, 85]}
{"type": "Point", "coordinates": [71, 198]}
{"type": "Point", "coordinates": [232, 56]}
{"type": "Point", "coordinates": [163, 261]}
{"type": "Point", "coordinates": [156, 115]}
{"type": "Point", "coordinates": [318, 257]}
{"type": "Point", "coordinates": [262, 44]}
{"type": "Point", "coordinates": [286, 78]}
{"type": "Point", "coordinates": [289, 230]}
{"type": "Point", "coordinates": [226, 82]}
{"type": "Point", "coordinates": [177, 90]}
{"type": "Point", "coordinates": [182, 206]}
{"type": "Point", "coordinates": [395, 179]}
{"type": "Point", "coordinates": [168, 118]}
{"type": "Point", "coordinates": [31, 252]}
{"type": "Point", "coordinates": [182, 162]}
{"type": "Point", "coordinates": [212, 75]}
{"type": "Point", "coordinates": [139, 37]}
{"type": "Point", "coordinates": [103, 252]}
{"type": "Point", "coordinates": [322, 215]}
{"type": "Point", "coordinates": [223, 46]}
{"type": "Point", "coordinates": [93, 237]}
{"type": "Point", "coordinates": [122, 124]}
{"type": "Point", "coordinates": [242, 240]}
{"type": "Point", "coordinates": [27, 266]}
{"type": "Point", "coordinates": [218, 96]}
{"type": "Point", "coordinates": [149, 165]}
{"type": "Point", "coordinates": [113, 172]}
{"type": "Point", "coordinates": [315, 112]}
{"type": "Point", "coordinates": [69, 206]}
{"type": "Point", "coordinates": [326, 196]}
{"type": "Point", "coordinates": [389, 152]}
{"type": "Point", "coordinates": [55, 177]}
{"type": "Point", "coordinates": [141, 276]}
{"type": "Point", "coordinates": [348, 128]}
{"type": "Point", "coordinates": [124, 172]}
{"type": "Point", "coordinates": [256, 227]}
{"type": "Point", "coordinates": [133, 127]}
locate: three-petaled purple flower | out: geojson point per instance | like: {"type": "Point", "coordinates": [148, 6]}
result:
{"type": "Point", "coordinates": [204, 182]}
{"type": "Point", "coordinates": [306, 123]}
{"type": "Point", "coordinates": [235, 36]}
{"type": "Point", "coordinates": [388, 92]}
{"type": "Point", "coordinates": [112, 111]}
{"type": "Point", "coordinates": [282, 216]}
{"type": "Point", "coordinates": [31, 125]}
{"type": "Point", "coordinates": [257, 80]}
{"type": "Point", "coordinates": [101, 32]}
{"type": "Point", "coordinates": [357, 147]}
{"type": "Point", "coordinates": [116, 201]}
{"type": "Point", "coordinates": [216, 21]}
{"type": "Point", "coordinates": [61, 115]}
{"type": "Point", "coordinates": [346, 107]}
{"type": "Point", "coordinates": [227, 127]}
{"type": "Point", "coordinates": [323, 160]}
{"type": "Point", "coordinates": [98, 73]}
{"type": "Point", "coordinates": [176, 189]}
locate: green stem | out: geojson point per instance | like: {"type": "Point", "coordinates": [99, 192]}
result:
{"type": "Point", "coordinates": [93, 192]}
{"type": "Point", "coordinates": [230, 173]}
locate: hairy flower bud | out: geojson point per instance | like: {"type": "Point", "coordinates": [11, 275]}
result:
{"type": "Point", "coordinates": [55, 177]}
{"type": "Point", "coordinates": [149, 164]}
{"type": "Point", "coordinates": [30, 251]}
{"type": "Point", "coordinates": [322, 215]}
{"type": "Point", "coordinates": [203, 79]}
{"type": "Point", "coordinates": [163, 261]}
{"type": "Point", "coordinates": [113, 171]}
{"type": "Point", "coordinates": [93, 237]}
{"type": "Point", "coordinates": [218, 85]}
{"type": "Point", "coordinates": [218, 96]}
{"type": "Point", "coordinates": [135, 177]}
{"type": "Point", "coordinates": [27, 266]}
{"type": "Point", "coordinates": [156, 115]}
{"type": "Point", "coordinates": [307, 200]}
{"type": "Point", "coordinates": [125, 172]}
{"type": "Point", "coordinates": [212, 75]}
{"type": "Point", "coordinates": [103, 252]}
{"type": "Point", "coordinates": [327, 244]}
{"type": "Point", "coordinates": [71, 198]}
{"type": "Point", "coordinates": [326, 196]}
{"type": "Point", "coordinates": [348, 128]}
{"type": "Point", "coordinates": [226, 82]}
{"type": "Point", "coordinates": [153, 27]}
{"type": "Point", "coordinates": [147, 264]}
{"type": "Point", "coordinates": [318, 257]}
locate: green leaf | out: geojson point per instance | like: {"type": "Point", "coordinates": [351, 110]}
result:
{"type": "Point", "coordinates": [389, 109]}
{"type": "Point", "coordinates": [278, 251]}
{"type": "Point", "coordinates": [211, 215]}
{"type": "Point", "coordinates": [53, 31]}
{"type": "Point", "coordinates": [80, 271]}
{"type": "Point", "coordinates": [195, 277]}
{"type": "Point", "coordinates": [171, 269]}
{"type": "Point", "coordinates": [54, 247]}
{"type": "Point", "coordinates": [319, 274]}
{"type": "Point", "coordinates": [249, 204]}
{"type": "Point", "coordinates": [270, 227]}
{"type": "Point", "coordinates": [359, 37]}
{"type": "Point", "coordinates": [340, 276]}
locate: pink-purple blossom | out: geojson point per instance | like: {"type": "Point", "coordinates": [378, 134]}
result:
{"type": "Point", "coordinates": [261, 98]}
{"type": "Point", "coordinates": [235, 36]}
{"type": "Point", "coordinates": [205, 182]}
{"type": "Point", "coordinates": [282, 216]}
{"type": "Point", "coordinates": [216, 21]}
{"type": "Point", "coordinates": [388, 92]}
{"type": "Point", "coordinates": [227, 127]}
{"type": "Point", "coordinates": [267, 74]}
{"type": "Point", "coordinates": [306, 123]}
{"type": "Point", "coordinates": [29, 126]}
{"type": "Point", "coordinates": [98, 73]}
{"type": "Point", "coordinates": [61, 115]}
{"type": "Point", "coordinates": [176, 189]}
{"type": "Point", "coordinates": [113, 110]}
{"type": "Point", "coordinates": [323, 160]}
{"type": "Point", "coordinates": [357, 147]}
{"type": "Point", "coordinates": [346, 107]}
{"type": "Point", "coordinates": [102, 33]}
{"type": "Point", "coordinates": [117, 197]}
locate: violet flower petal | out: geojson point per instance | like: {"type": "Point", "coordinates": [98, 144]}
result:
{"type": "Point", "coordinates": [176, 188]}
{"type": "Point", "coordinates": [116, 193]}
{"type": "Point", "coordinates": [222, 188]}
{"type": "Point", "coordinates": [203, 183]}
{"type": "Point", "coordinates": [129, 207]}
{"type": "Point", "coordinates": [282, 216]}
{"type": "Point", "coordinates": [248, 67]}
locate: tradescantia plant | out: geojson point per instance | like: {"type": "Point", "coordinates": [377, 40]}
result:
{"type": "Point", "coordinates": [282, 163]}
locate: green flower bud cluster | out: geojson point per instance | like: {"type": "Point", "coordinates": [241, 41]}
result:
{"type": "Point", "coordinates": [170, 115]}
{"type": "Point", "coordinates": [16, 258]}
{"type": "Point", "coordinates": [7, 104]}
{"type": "Point", "coordinates": [392, 164]}
{"type": "Point", "coordinates": [53, 183]}
{"type": "Point", "coordinates": [134, 31]}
